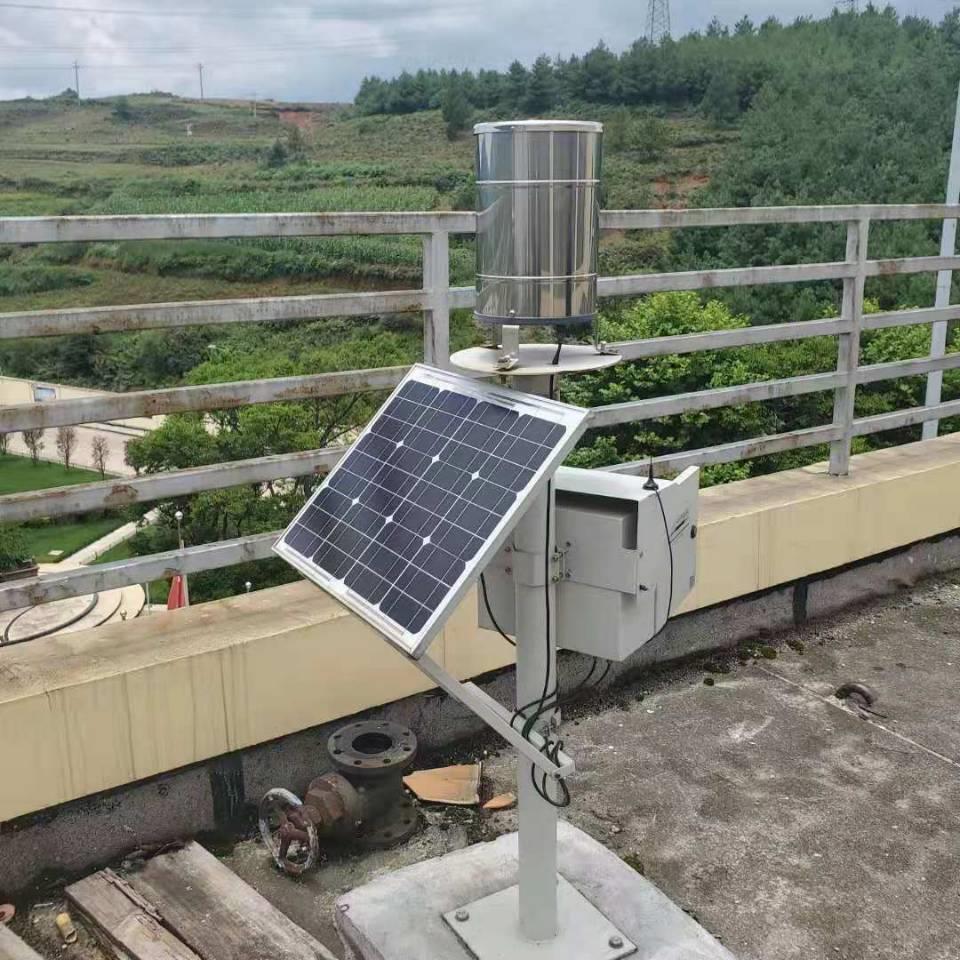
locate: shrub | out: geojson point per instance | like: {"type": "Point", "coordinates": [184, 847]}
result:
{"type": "Point", "coordinates": [13, 548]}
{"type": "Point", "coordinates": [276, 156]}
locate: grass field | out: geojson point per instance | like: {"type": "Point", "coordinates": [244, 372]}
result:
{"type": "Point", "coordinates": [68, 536]}
{"type": "Point", "coordinates": [161, 154]}
{"type": "Point", "coordinates": [18, 475]}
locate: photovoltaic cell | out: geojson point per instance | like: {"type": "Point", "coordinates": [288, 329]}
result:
{"type": "Point", "coordinates": [418, 501]}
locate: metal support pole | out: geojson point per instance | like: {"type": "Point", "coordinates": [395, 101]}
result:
{"type": "Point", "coordinates": [436, 280]}
{"type": "Point", "coordinates": [948, 236]}
{"type": "Point", "coordinates": [536, 659]}
{"type": "Point", "coordinates": [848, 346]}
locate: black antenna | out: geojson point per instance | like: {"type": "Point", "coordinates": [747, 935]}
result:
{"type": "Point", "coordinates": [651, 484]}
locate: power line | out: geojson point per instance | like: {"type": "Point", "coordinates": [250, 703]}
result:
{"type": "Point", "coordinates": [186, 48]}
{"type": "Point", "coordinates": [358, 45]}
{"type": "Point", "coordinates": [338, 12]}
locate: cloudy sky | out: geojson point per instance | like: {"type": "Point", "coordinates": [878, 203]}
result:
{"type": "Point", "coordinates": [321, 49]}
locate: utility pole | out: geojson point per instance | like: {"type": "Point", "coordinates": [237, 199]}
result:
{"type": "Point", "coordinates": [254, 104]}
{"type": "Point", "coordinates": [200, 72]}
{"type": "Point", "coordinates": [658, 20]}
{"type": "Point", "coordinates": [76, 78]}
{"type": "Point", "coordinates": [948, 236]}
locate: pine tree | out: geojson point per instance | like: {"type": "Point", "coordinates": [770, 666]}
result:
{"type": "Point", "coordinates": [541, 87]}
{"type": "Point", "coordinates": [454, 107]}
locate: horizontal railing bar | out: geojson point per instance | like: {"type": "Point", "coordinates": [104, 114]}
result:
{"type": "Point", "coordinates": [153, 316]}
{"type": "Point", "coordinates": [723, 339]}
{"type": "Point", "coordinates": [906, 368]}
{"type": "Point", "coordinates": [122, 573]}
{"type": "Point", "coordinates": [223, 225]}
{"type": "Point", "coordinates": [211, 226]}
{"type": "Point", "coordinates": [218, 396]}
{"type": "Point", "coordinates": [746, 216]}
{"type": "Point", "coordinates": [49, 323]}
{"type": "Point", "coordinates": [902, 318]}
{"type": "Point", "coordinates": [636, 410]}
{"type": "Point", "coordinates": [729, 452]}
{"type": "Point", "coordinates": [106, 494]}
{"type": "Point", "coordinates": [904, 418]}
{"type": "Point", "coordinates": [463, 297]}
{"type": "Point", "coordinates": [641, 283]}
{"type": "Point", "coordinates": [900, 266]}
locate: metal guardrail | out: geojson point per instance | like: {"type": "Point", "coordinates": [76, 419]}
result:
{"type": "Point", "coordinates": [435, 299]}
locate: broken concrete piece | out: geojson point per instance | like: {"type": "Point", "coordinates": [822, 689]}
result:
{"type": "Point", "coordinates": [459, 784]}
{"type": "Point", "coordinates": [503, 801]}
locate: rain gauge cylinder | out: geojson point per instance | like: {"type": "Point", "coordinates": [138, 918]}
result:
{"type": "Point", "coordinates": [538, 211]}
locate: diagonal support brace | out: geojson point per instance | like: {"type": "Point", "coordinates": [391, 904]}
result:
{"type": "Point", "coordinates": [498, 717]}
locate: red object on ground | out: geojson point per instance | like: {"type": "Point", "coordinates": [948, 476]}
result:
{"type": "Point", "coordinates": [177, 597]}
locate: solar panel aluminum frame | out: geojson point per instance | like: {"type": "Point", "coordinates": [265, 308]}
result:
{"type": "Point", "coordinates": [414, 645]}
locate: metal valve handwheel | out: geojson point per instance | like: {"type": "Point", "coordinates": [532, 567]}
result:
{"type": "Point", "coordinates": [289, 835]}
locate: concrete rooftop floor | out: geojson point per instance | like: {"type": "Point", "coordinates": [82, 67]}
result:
{"type": "Point", "coordinates": [787, 824]}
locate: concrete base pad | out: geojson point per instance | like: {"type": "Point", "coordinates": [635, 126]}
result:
{"type": "Point", "coordinates": [400, 916]}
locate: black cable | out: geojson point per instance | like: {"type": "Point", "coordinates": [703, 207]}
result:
{"type": "Point", "coordinates": [493, 619]}
{"type": "Point", "coordinates": [666, 531]}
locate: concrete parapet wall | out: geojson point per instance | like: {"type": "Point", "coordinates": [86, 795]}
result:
{"type": "Point", "coordinates": [182, 693]}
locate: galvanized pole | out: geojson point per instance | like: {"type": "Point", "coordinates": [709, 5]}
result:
{"type": "Point", "coordinates": [178, 516]}
{"type": "Point", "coordinates": [200, 72]}
{"type": "Point", "coordinates": [938, 331]}
{"type": "Point", "coordinates": [536, 673]}
{"type": "Point", "coordinates": [76, 78]}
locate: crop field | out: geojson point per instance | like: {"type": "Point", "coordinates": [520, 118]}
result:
{"type": "Point", "coordinates": [160, 154]}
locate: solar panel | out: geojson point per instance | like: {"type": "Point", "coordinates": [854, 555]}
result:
{"type": "Point", "coordinates": [411, 514]}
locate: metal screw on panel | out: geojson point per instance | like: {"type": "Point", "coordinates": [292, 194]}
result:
{"type": "Point", "coordinates": [615, 942]}
{"type": "Point", "coordinates": [462, 915]}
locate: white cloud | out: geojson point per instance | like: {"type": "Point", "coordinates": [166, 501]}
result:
{"type": "Point", "coordinates": [321, 50]}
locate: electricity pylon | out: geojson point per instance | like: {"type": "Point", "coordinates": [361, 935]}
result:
{"type": "Point", "coordinates": [658, 20]}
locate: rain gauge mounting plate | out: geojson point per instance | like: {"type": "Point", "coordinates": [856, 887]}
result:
{"type": "Point", "coordinates": [488, 929]}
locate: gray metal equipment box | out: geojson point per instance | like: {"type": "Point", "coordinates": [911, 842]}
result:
{"type": "Point", "coordinates": [626, 559]}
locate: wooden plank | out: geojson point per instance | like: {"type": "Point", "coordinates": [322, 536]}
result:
{"type": "Point", "coordinates": [125, 921]}
{"type": "Point", "coordinates": [13, 948]}
{"type": "Point", "coordinates": [218, 915]}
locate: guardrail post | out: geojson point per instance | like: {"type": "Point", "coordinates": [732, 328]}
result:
{"type": "Point", "coordinates": [948, 236]}
{"type": "Point", "coordinates": [848, 345]}
{"type": "Point", "coordinates": [436, 281]}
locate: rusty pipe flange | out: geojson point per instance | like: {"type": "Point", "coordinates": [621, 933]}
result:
{"type": "Point", "coordinates": [372, 748]}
